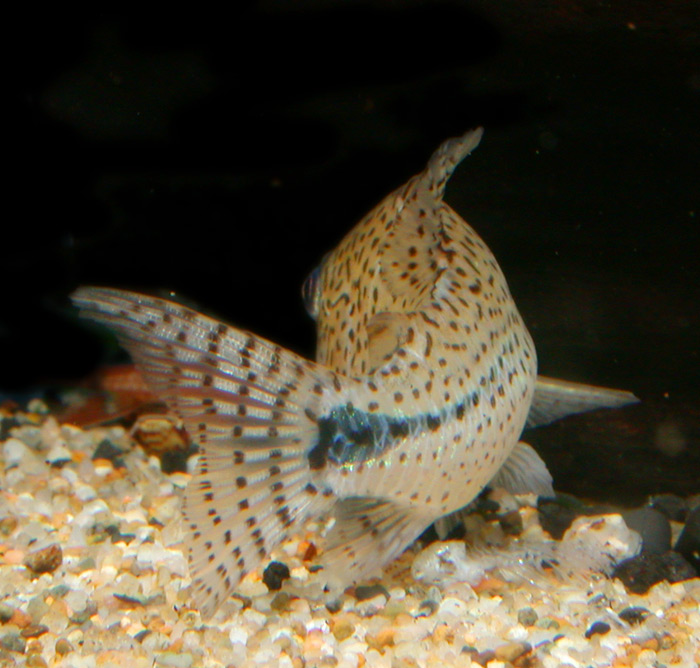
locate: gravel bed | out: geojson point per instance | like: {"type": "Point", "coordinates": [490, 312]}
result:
{"type": "Point", "coordinates": [92, 574]}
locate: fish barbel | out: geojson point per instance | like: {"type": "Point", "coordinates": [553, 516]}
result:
{"type": "Point", "coordinates": [424, 380]}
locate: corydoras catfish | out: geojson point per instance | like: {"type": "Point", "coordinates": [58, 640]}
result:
{"type": "Point", "coordinates": [424, 380]}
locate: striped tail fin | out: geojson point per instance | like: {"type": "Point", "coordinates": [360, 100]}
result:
{"type": "Point", "coordinates": [252, 408]}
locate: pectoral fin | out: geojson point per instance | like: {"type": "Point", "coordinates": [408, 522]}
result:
{"type": "Point", "coordinates": [555, 399]}
{"type": "Point", "coordinates": [524, 472]}
{"type": "Point", "coordinates": [386, 332]}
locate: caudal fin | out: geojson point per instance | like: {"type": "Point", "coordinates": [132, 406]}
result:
{"type": "Point", "coordinates": [252, 408]}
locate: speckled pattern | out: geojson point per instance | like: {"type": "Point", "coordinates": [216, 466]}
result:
{"type": "Point", "coordinates": [424, 379]}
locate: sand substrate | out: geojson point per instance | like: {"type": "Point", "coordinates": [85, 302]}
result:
{"type": "Point", "coordinates": [92, 574]}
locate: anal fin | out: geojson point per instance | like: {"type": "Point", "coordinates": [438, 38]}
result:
{"type": "Point", "coordinates": [555, 399]}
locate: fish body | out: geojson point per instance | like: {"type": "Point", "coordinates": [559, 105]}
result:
{"type": "Point", "coordinates": [424, 379]}
{"type": "Point", "coordinates": [414, 302]}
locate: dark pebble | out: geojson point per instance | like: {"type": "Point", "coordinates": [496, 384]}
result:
{"type": "Point", "coordinates": [527, 617]}
{"type": "Point", "coordinates": [511, 523]}
{"type": "Point", "coordinates": [281, 601]}
{"type": "Point", "coordinates": [556, 515]}
{"type": "Point", "coordinates": [107, 450]}
{"type": "Point", "coordinates": [34, 630]}
{"type": "Point", "coordinates": [652, 526]}
{"type": "Point", "coordinates": [365, 592]}
{"type": "Point", "coordinates": [428, 608]}
{"type": "Point", "coordinates": [688, 543]}
{"type": "Point", "coordinates": [122, 537]}
{"type": "Point", "coordinates": [6, 612]}
{"type": "Point", "coordinates": [428, 536]}
{"type": "Point", "coordinates": [174, 461]}
{"type": "Point", "coordinates": [633, 615]}
{"type": "Point", "coordinates": [8, 525]}
{"type": "Point", "coordinates": [275, 574]}
{"type": "Point", "coordinates": [59, 591]}
{"type": "Point", "coordinates": [597, 629]}
{"type": "Point", "coordinates": [639, 573]}
{"type": "Point", "coordinates": [672, 506]}
{"type": "Point", "coordinates": [7, 423]}
{"type": "Point", "coordinates": [45, 560]}
{"type": "Point", "coordinates": [13, 642]}
{"type": "Point", "coordinates": [486, 506]}
{"type": "Point", "coordinates": [116, 536]}
{"type": "Point", "coordinates": [131, 600]}
{"type": "Point", "coordinates": [336, 605]}
{"type": "Point", "coordinates": [457, 532]}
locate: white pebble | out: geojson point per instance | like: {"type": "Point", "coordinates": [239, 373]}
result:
{"type": "Point", "coordinates": [446, 562]}
{"type": "Point", "coordinates": [76, 599]}
{"type": "Point", "coordinates": [83, 491]}
{"type": "Point", "coordinates": [453, 607]}
{"type": "Point", "coordinates": [58, 453]}
{"type": "Point", "coordinates": [597, 543]}
{"type": "Point", "coordinates": [155, 641]}
{"type": "Point", "coordinates": [75, 436]}
{"type": "Point", "coordinates": [238, 634]}
{"type": "Point", "coordinates": [252, 588]}
{"type": "Point", "coordinates": [16, 453]}
{"type": "Point", "coordinates": [175, 659]}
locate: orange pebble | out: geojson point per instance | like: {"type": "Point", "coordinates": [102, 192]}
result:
{"type": "Point", "coordinates": [13, 557]}
{"type": "Point", "coordinates": [383, 638]}
{"type": "Point", "coordinates": [20, 619]}
{"type": "Point", "coordinates": [402, 619]}
{"type": "Point", "coordinates": [652, 644]}
{"type": "Point", "coordinates": [489, 584]}
{"type": "Point", "coordinates": [175, 646]}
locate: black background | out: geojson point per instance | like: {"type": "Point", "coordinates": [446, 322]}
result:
{"type": "Point", "coordinates": [220, 155]}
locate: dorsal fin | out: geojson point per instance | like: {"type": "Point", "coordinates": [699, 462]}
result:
{"type": "Point", "coordinates": [415, 251]}
{"type": "Point", "coordinates": [448, 156]}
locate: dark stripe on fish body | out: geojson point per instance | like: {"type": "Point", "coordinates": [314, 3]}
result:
{"type": "Point", "coordinates": [351, 436]}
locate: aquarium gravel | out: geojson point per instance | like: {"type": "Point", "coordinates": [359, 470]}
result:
{"type": "Point", "coordinates": [92, 573]}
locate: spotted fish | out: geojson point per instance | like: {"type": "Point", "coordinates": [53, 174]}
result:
{"type": "Point", "coordinates": [424, 380]}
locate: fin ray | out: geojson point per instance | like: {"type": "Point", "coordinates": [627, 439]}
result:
{"type": "Point", "coordinates": [524, 472]}
{"type": "Point", "coordinates": [251, 407]}
{"type": "Point", "coordinates": [366, 527]}
{"type": "Point", "coordinates": [555, 399]}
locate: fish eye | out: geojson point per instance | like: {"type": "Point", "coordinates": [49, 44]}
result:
{"type": "Point", "coordinates": [311, 292]}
